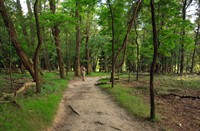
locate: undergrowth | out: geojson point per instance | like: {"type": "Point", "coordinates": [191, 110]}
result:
{"type": "Point", "coordinates": [34, 111]}
{"type": "Point", "coordinates": [125, 97]}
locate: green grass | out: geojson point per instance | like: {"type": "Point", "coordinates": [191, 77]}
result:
{"type": "Point", "coordinates": [125, 97]}
{"type": "Point", "coordinates": [178, 82]}
{"type": "Point", "coordinates": [36, 112]}
{"type": "Point", "coordinates": [99, 74]}
{"type": "Point", "coordinates": [104, 80]}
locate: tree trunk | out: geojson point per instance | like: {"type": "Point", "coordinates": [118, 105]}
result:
{"type": "Point", "coordinates": [113, 45]}
{"type": "Point", "coordinates": [186, 4]}
{"type": "Point", "coordinates": [137, 44]}
{"type": "Point", "coordinates": [87, 52]}
{"type": "Point", "coordinates": [36, 56]}
{"type": "Point", "coordinates": [55, 32]}
{"type": "Point", "coordinates": [13, 36]}
{"type": "Point", "coordinates": [46, 58]}
{"type": "Point", "coordinates": [77, 64]}
{"type": "Point", "coordinates": [10, 68]}
{"type": "Point", "coordinates": [155, 43]}
{"type": "Point", "coordinates": [193, 55]}
{"type": "Point", "coordinates": [106, 64]}
{"type": "Point", "coordinates": [67, 62]}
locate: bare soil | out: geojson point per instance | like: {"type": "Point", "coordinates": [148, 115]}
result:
{"type": "Point", "coordinates": [85, 107]}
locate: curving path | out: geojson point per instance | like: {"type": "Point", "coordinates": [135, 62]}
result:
{"type": "Point", "coordinates": [85, 107]}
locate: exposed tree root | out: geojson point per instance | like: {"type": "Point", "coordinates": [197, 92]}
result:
{"type": "Point", "coordinates": [24, 87]}
{"type": "Point", "coordinates": [98, 123]}
{"type": "Point", "coordinates": [182, 96]}
{"type": "Point", "coordinates": [9, 97]}
{"type": "Point", "coordinates": [102, 83]}
{"type": "Point", "coordinates": [76, 112]}
{"type": "Point", "coordinates": [116, 128]}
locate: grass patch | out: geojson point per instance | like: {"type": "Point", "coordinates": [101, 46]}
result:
{"type": "Point", "coordinates": [178, 82]}
{"type": "Point", "coordinates": [36, 112]}
{"type": "Point", "coordinates": [99, 74]}
{"type": "Point", "coordinates": [102, 80]}
{"type": "Point", "coordinates": [125, 97]}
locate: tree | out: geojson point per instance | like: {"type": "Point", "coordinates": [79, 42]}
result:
{"type": "Point", "coordinates": [55, 32]}
{"type": "Point", "coordinates": [36, 56]}
{"type": "Point", "coordinates": [137, 44]}
{"type": "Point", "coordinates": [78, 41]}
{"type": "Point", "coordinates": [13, 36]}
{"type": "Point", "coordinates": [196, 38]}
{"type": "Point", "coordinates": [155, 44]}
{"type": "Point", "coordinates": [186, 4]}
{"type": "Point", "coordinates": [125, 39]}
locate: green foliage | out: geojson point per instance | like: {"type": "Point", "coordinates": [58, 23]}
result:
{"type": "Point", "coordinates": [49, 20]}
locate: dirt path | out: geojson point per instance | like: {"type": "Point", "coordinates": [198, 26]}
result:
{"type": "Point", "coordinates": [86, 108]}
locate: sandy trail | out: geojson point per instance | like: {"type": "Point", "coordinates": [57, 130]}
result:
{"type": "Point", "coordinates": [85, 107]}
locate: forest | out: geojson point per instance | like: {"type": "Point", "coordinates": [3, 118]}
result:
{"type": "Point", "coordinates": [144, 48]}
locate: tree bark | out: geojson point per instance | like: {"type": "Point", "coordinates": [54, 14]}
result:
{"type": "Point", "coordinates": [195, 46]}
{"type": "Point", "coordinates": [137, 44]}
{"type": "Point", "coordinates": [77, 64]}
{"type": "Point", "coordinates": [13, 36]}
{"type": "Point", "coordinates": [55, 32]}
{"type": "Point", "coordinates": [155, 44]}
{"type": "Point", "coordinates": [87, 51]}
{"type": "Point", "coordinates": [113, 45]}
{"type": "Point", "coordinates": [36, 56]}
{"type": "Point", "coordinates": [45, 53]}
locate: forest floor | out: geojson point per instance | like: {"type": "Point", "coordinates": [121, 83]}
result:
{"type": "Point", "coordinates": [85, 107]}
{"type": "Point", "coordinates": [177, 100]}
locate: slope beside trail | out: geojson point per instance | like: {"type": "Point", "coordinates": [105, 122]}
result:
{"type": "Point", "coordinates": [85, 107]}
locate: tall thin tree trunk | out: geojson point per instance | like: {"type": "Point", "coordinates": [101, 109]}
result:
{"type": "Point", "coordinates": [136, 41]}
{"type": "Point", "coordinates": [186, 4]}
{"type": "Point", "coordinates": [10, 67]}
{"type": "Point", "coordinates": [67, 60]}
{"type": "Point", "coordinates": [195, 46]}
{"type": "Point", "coordinates": [87, 51]}
{"type": "Point", "coordinates": [155, 43]}
{"type": "Point", "coordinates": [36, 56]}
{"type": "Point", "coordinates": [113, 45]}
{"type": "Point", "coordinates": [46, 56]}
{"type": "Point", "coordinates": [77, 64]}
{"type": "Point", "coordinates": [55, 32]}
